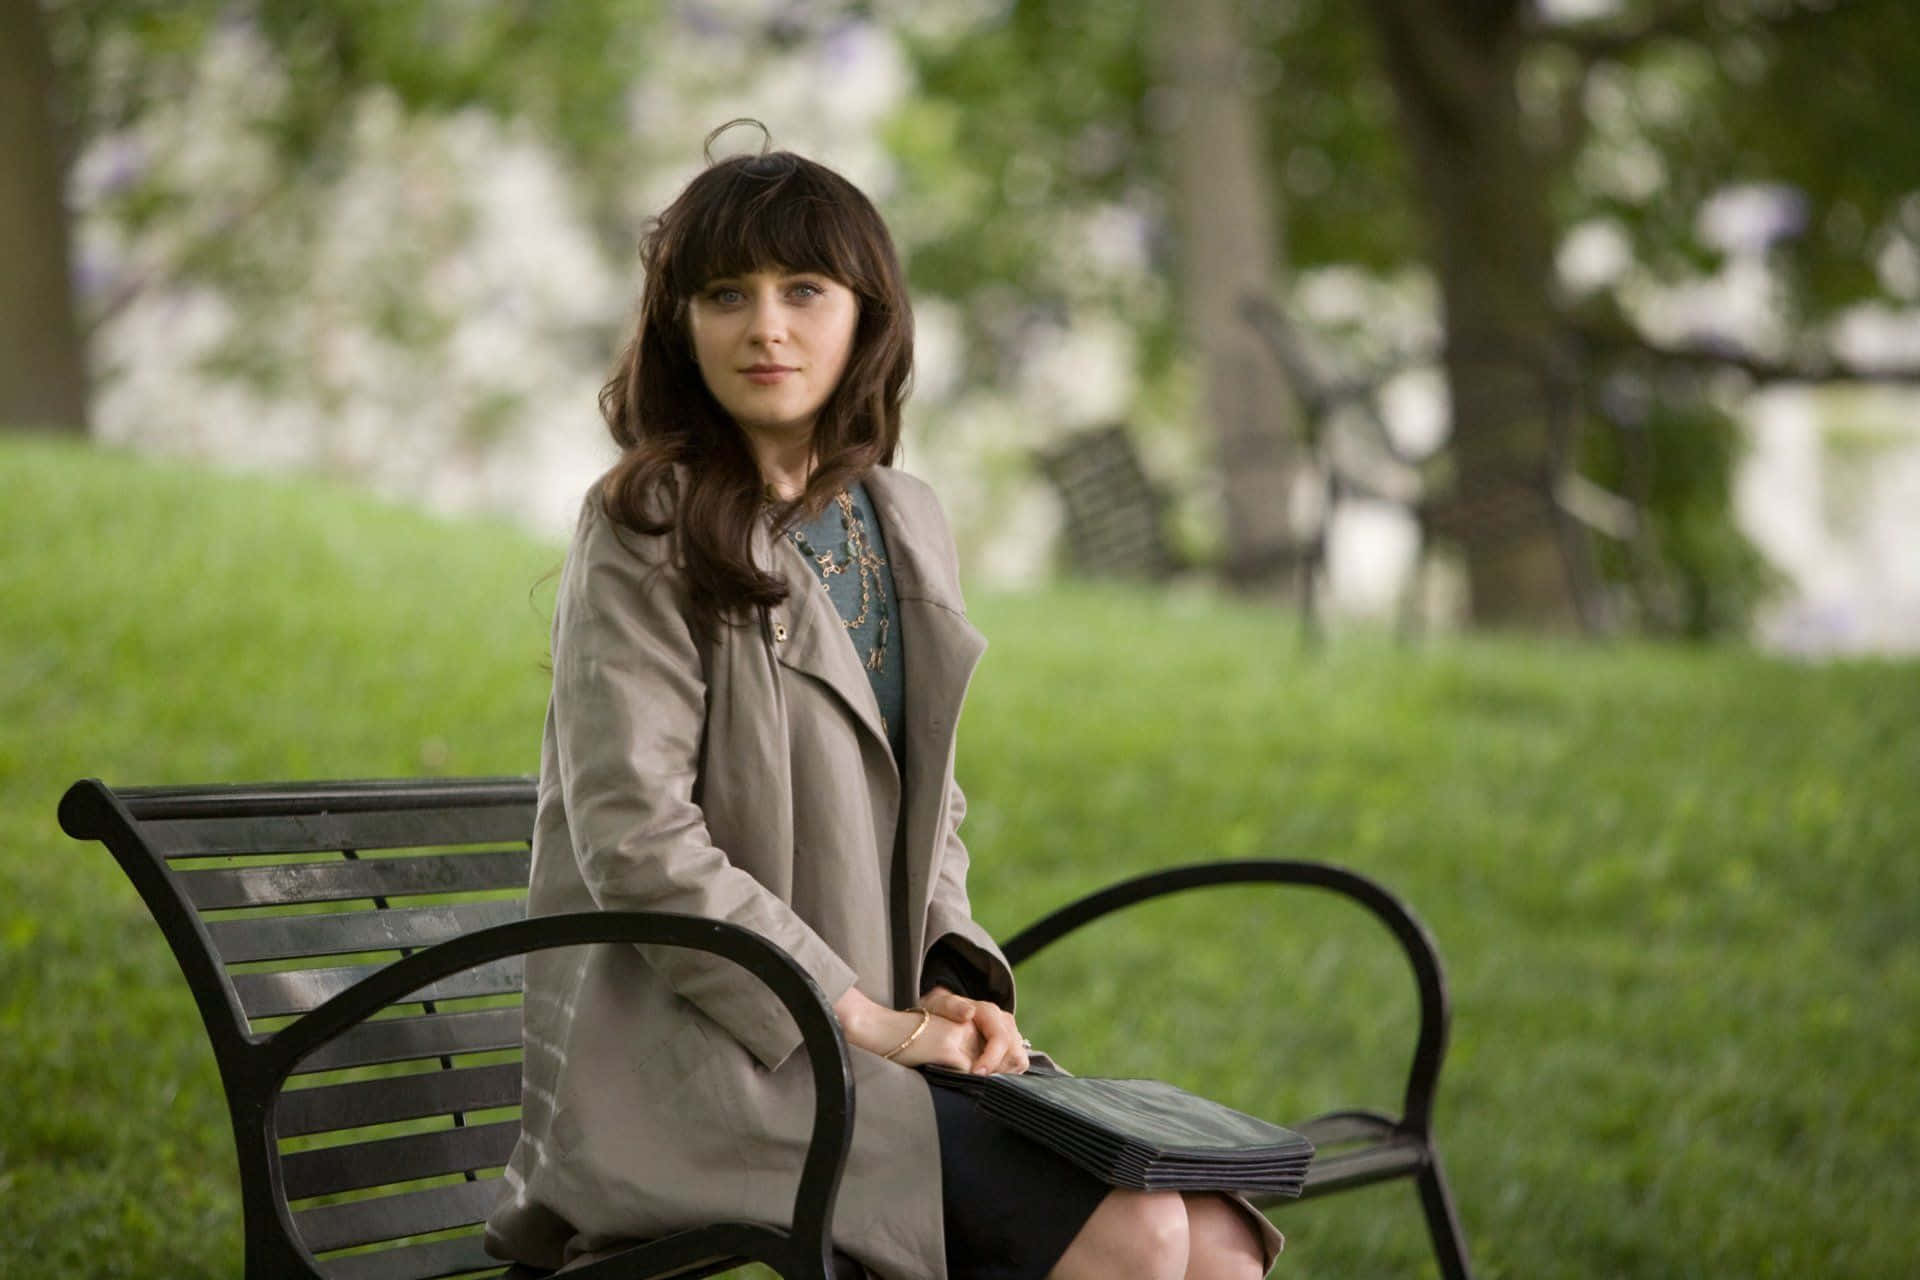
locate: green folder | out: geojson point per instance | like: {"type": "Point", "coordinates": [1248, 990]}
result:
{"type": "Point", "coordinates": [1146, 1135]}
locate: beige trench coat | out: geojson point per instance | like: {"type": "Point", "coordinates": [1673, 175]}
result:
{"type": "Point", "coordinates": [750, 781]}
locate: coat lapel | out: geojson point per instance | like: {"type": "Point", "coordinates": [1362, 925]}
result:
{"type": "Point", "coordinates": [942, 650]}
{"type": "Point", "coordinates": [809, 637]}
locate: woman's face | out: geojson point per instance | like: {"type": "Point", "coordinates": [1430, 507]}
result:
{"type": "Point", "coordinates": [772, 345]}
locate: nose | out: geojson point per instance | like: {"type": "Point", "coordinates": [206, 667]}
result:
{"type": "Point", "coordinates": [767, 321]}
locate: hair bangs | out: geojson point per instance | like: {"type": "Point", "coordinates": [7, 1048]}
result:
{"type": "Point", "coordinates": [764, 214]}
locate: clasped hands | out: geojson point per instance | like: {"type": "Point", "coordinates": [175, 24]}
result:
{"type": "Point", "coordinates": [976, 1036]}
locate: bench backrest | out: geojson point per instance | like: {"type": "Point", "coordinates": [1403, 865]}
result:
{"type": "Point", "coordinates": [275, 899]}
{"type": "Point", "coordinates": [1115, 518]}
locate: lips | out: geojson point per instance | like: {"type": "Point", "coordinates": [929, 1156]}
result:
{"type": "Point", "coordinates": [767, 374]}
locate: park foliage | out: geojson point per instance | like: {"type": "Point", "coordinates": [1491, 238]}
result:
{"type": "Point", "coordinates": [1634, 213]}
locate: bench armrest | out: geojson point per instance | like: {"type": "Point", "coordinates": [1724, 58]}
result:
{"type": "Point", "coordinates": [1431, 1044]}
{"type": "Point", "coordinates": [820, 1033]}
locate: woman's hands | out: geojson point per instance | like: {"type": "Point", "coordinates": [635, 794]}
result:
{"type": "Point", "coordinates": [1002, 1047]}
{"type": "Point", "coordinates": [877, 1029]}
{"type": "Point", "coordinates": [966, 1035]}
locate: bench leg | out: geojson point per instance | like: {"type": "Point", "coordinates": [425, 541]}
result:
{"type": "Point", "coordinates": [1449, 1245]}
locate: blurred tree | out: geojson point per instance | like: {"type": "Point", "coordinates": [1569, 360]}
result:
{"type": "Point", "coordinates": [1043, 129]}
{"type": "Point", "coordinates": [43, 379]}
{"type": "Point", "coordinates": [1485, 136]}
{"type": "Point", "coordinates": [1227, 245]}
{"type": "Point", "coordinates": [77, 70]}
{"type": "Point", "coordinates": [1454, 68]}
{"type": "Point", "coordinates": [1644, 117]}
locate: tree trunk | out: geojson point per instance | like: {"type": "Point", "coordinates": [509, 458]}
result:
{"type": "Point", "coordinates": [1452, 64]}
{"type": "Point", "coordinates": [1224, 217]}
{"type": "Point", "coordinates": [43, 367]}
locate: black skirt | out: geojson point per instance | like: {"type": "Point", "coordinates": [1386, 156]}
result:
{"type": "Point", "coordinates": [1011, 1206]}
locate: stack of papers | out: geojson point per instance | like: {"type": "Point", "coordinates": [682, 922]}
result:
{"type": "Point", "coordinates": [1146, 1135]}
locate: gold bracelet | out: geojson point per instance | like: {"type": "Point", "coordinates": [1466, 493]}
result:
{"type": "Point", "coordinates": [897, 1050]}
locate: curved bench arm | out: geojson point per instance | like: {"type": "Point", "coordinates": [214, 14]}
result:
{"type": "Point", "coordinates": [1431, 1045]}
{"type": "Point", "coordinates": [820, 1034]}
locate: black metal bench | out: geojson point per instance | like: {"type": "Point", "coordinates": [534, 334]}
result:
{"type": "Point", "coordinates": [354, 949]}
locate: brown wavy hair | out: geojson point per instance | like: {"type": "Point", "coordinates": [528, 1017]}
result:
{"type": "Point", "coordinates": [685, 467]}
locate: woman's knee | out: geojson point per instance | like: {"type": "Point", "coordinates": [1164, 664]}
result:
{"type": "Point", "coordinates": [1222, 1244]}
{"type": "Point", "coordinates": [1133, 1235]}
{"type": "Point", "coordinates": [1158, 1225]}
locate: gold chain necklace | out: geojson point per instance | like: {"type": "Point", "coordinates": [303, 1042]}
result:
{"type": "Point", "coordinates": [868, 563]}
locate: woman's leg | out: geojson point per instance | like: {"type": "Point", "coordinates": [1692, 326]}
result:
{"type": "Point", "coordinates": [1221, 1243]}
{"type": "Point", "coordinates": [1133, 1235]}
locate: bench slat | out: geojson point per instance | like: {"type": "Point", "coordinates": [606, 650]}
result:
{"type": "Point", "coordinates": [365, 1102]}
{"type": "Point", "coordinates": [408, 1039]}
{"type": "Point", "coordinates": [344, 932]}
{"type": "Point", "coordinates": [1347, 1126]}
{"type": "Point", "coordinates": [435, 1035]}
{"type": "Point", "coordinates": [411, 1213]}
{"type": "Point", "coordinates": [267, 995]}
{"type": "Point", "coordinates": [461, 1256]}
{"type": "Point", "coordinates": [353, 1165]}
{"type": "Point", "coordinates": [362, 795]}
{"type": "Point", "coordinates": [317, 832]}
{"type": "Point", "coordinates": [273, 886]}
{"type": "Point", "coordinates": [1342, 1169]}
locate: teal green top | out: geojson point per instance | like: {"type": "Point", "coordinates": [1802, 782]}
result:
{"type": "Point", "coordinates": [848, 551]}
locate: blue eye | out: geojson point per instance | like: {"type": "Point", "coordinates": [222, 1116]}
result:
{"type": "Point", "coordinates": [725, 295]}
{"type": "Point", "coordinates": [807, 289]}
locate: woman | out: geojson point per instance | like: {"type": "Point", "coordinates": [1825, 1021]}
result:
{"type": "Point", "coordinates": [760, 653]}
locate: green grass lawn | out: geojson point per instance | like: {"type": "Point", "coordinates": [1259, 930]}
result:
{"type": "Point", "coordinates": [1676, 890]}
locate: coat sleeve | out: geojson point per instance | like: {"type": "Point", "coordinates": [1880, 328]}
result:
{"type": "Point", "coordinates": [950, 923]}
{"type": "Point", "coordinates": [629, 710]}
{"type": "Point", "coordinates": [952, 935]}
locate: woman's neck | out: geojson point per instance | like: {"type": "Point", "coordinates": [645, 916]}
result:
{"type": "Point", "coordinates": [786, 461]}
